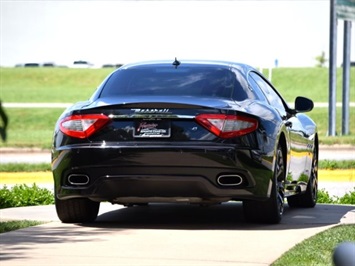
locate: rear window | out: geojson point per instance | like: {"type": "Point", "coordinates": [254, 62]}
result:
{"type": "Point", "coordinates": [169, 81]}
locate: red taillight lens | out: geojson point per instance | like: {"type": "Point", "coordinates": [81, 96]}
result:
{"type": "Point", "coordinates": [83, 126]}
{"type": "Point", "coordinates": [227, 126]}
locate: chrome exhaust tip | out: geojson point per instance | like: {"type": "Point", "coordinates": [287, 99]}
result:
{"type": "Point", "coordinates": [78, 179]}
{"type": "Point", "coordinates": [229, 180]}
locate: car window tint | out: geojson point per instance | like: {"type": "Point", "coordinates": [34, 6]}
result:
{"type": "Point", "coordinates": [168, 81]}
{"type": "Point", "coordinates": [273, 98]}
{"type": "Point", "coordinates": [256, 89]}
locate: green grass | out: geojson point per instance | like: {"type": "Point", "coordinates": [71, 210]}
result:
{"type": "Point", "coordinates": [25, 167]}
{"type": "Point", "coordinates": [34, 127]}
{"type": "Point", "coordinates": [31, 127]}
{"type": "Point", "coordinates": [49, 84]}
{"type": "Point", "coordinates": [318, 250]}
{"type": "Point", "coordinates": [309, 82]}
{"type": "Point", "coordinates": [15, 225]}
{"type": "Point", "coordinates": [333, 165]}
{"type": "Point", "coordinates": [320, 117]}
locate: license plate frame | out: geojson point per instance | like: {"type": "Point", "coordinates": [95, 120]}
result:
{"type": "Point", "coordinates": [152, 128]}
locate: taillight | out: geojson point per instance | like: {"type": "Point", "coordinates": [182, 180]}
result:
{"type": "Point", "coordinates": [83, 126]}
{"type": "Point", "coordinates": [227, 126]}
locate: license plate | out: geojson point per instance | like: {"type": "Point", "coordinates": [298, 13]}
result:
{"type": "Point", "coordinates": [147, 128]}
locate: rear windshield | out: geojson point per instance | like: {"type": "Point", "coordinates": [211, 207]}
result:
{"type": "Point", "coordinates": [169, 81]}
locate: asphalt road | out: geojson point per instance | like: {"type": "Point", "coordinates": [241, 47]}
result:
{"type": "Point", "coordinates": [163, 234]}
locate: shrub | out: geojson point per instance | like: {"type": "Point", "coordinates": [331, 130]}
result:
{"type": "Point", "coordinates": [348, 198]}
{"type": "Point", "coordinates": [323, 197]}
{"type": "Point", "coordinates": [24, 195]}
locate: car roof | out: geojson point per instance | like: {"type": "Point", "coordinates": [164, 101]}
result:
{"type": "Point", "coordinates": [244, 68]}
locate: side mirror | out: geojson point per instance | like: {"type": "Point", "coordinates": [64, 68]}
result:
{"type": "Point", "coordinates": [303, 104]}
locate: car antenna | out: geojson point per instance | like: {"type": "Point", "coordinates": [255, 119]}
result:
{"type": "Point", "coordinates": [176, 63]}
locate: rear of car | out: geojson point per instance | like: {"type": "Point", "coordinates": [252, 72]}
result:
{"type": "Point", "coordinates": [159, 133]}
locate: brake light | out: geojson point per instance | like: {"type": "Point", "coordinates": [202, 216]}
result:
{"type": "Point", "coordinates": [227, 126]}
{"type": "Point", "coordinates": [83, 126]}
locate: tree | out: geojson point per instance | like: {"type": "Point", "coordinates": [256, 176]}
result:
{"type": "Point", "coordinates": [321, 60]}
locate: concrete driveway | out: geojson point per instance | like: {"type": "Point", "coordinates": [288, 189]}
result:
{"type": "Point", "coordinates": [163, 234]}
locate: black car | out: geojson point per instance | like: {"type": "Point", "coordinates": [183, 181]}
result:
{"type": "Point", "coordinates": [198, 132]}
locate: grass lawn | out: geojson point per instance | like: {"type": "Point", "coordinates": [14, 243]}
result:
{"type": "Point", "coordinates": [320, 117]}
{"type": "Point", "coordinates": [50, 85]}
{"type": "Point", "coordinates": [309, 82]}
{"type": "Point", "coordinates": [31, 127]}
{"type": "Point", "coordinates": [317, 250]}
{"type": "Point", "coordinates": [15, 225]}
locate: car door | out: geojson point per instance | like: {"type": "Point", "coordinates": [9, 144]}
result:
{"type": "Point", "coordinates": [297, 158]}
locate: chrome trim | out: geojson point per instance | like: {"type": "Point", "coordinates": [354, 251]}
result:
{"type": "Point", "coordinates": [238, 178]}
{"type": "Point", "coordinates": [130, 116]}
{"type": "Point", "coordinates": [72, 182]}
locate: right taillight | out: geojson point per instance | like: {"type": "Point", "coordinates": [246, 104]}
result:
{"type": "Point", "coordinates": [227, 126]}
{"type": "Point", "coordinates": [83, 126]}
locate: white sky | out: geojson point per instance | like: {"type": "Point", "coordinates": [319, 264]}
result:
{"type": "Point", "coordinates": [253, 32]}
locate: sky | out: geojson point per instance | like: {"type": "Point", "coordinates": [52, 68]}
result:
{"type": "Point", "coordinates": [258, 33]}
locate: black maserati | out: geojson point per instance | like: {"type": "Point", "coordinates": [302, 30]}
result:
{"type": "Point", "coordinates": [196, 132]}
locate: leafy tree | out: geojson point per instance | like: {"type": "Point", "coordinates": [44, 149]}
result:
{"type": "Point", "coordinates": [321, 60]}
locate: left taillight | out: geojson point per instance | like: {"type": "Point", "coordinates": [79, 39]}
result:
{"type": "Point", "coordinates": [227, 126]}
{"type": "Point", "coordinates": [83, 126]}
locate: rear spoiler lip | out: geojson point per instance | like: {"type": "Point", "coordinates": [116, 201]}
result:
{"type": "Point", "coordinates": [162, 102]}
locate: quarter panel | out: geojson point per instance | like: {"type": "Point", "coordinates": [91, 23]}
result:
{"type": "Point", "coordinates": [301, 134]}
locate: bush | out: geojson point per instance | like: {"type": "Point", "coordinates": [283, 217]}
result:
{"type": "Point", "coordinates": [24, 195]}
{"type": "Point", "coordinates": [323, 197]}
{"type": "Point", "coordinates": [348, 198]}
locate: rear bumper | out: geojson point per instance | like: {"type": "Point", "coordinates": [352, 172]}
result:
{"type": "Point", "coordinates": [159, 174]}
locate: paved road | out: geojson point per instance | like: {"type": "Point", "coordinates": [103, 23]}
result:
{"type": "Point", "coordinates": [163, 234]}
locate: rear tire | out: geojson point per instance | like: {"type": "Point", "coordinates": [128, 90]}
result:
{"type": "Point", "coordinates": [78, 210]}
{"type": "Point", "coordinates": [309, 198]}
{"type": "Point", "coordinates": [271, 210]}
